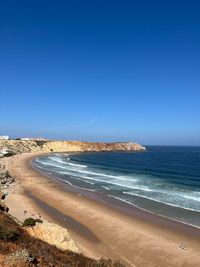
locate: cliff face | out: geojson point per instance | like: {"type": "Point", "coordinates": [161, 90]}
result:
{"type": "Point", "coordinates": [20, 246]}
{"type": "Point", "coordinates": [27, 146]}
{"type": "Point", "coordinates": [53, 234]}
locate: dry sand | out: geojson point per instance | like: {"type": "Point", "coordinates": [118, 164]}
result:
{"type": "Point", "coordinates": [132, 236]}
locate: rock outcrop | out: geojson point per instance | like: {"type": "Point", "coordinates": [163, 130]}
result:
{"type": "Point", "coordinates": [20, 257]}
{"type": "Point", "coordinates": [53, 234]}
{"type": "Point", "coordinates": [5, 181]}
{"type": "Point", "coordinates": [27, 146]}
{"type": "Point", "coordinates": [5, 178]}
{"type": "Point", "coordinates": [3, 207]}
{"type": "Point", "coordinates": [18, 248]}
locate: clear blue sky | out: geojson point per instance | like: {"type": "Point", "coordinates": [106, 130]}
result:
{"type": "Point", "coordinates": [101, 70]}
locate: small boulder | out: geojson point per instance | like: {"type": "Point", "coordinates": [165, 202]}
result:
{"type": "Point", "coordinates": [3, 207]}
{"type": "Point", "coordinates": [2, 195]}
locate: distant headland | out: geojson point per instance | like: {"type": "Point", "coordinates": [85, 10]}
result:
{"type": "Point", "coordinates": [28, 145]}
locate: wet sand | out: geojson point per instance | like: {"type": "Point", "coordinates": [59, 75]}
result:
{"type": "Point", "coordinates": [102, 226]}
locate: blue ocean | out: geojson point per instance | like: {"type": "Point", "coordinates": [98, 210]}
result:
{"type": "Point", "coordinates": [161, 180]}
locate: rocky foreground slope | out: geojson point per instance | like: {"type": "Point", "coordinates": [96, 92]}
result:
{"type": "Point", "coordinates": [27, 146]}
{"type": "Point", "coordinates": [27, 244]}
{"type": "Point", "coordinates": [19, 248]}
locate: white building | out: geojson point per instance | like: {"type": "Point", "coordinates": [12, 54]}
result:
{"type": "Point", "coordinates": [4, 137]}
{"type": "Point", "coordinates": [33, 139]}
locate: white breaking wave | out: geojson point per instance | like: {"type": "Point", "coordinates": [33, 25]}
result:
{"type": "Point", "coordinates": [154, 193]}
{"type": "Point", "coordinates": [192, 197]}
{"type": "Point", "coordinates": [123, 200]}
{"type": "Point", "coordinates": [86, 181]}
{"type": "Point", "coordinates": [59, 165]}
{"type": "Point", "coordinates": [77, 165]}
{"type": "Point", "coordinates": [105, 187]}
{"type": "Point", "coordinates": [80, 173]}
{"type": "Point", "coordinates": [56, 159]}
{"type": "Point", "coordinates": [50, 164]}
{"type": "Point", "coordinates": [146, 189]}
{"type": "Point", "coordinates": [103, 175]}
{"type": "Point", "coordinates": [67, 182]}
{"type": "Point", "coordinates": [107, 182]}
{"type": "Point", "coordinates": [78, 170]}
{"type": "Point", "coordinates": [159, 201]}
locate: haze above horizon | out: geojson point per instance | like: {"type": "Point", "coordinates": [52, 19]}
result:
{"type": "Point", "coordinates": [101, 70]}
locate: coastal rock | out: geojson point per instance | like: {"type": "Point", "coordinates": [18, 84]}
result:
{"type": "Point", "coordinates": [4, 174]}
{"type": "Point", "coordinates": [6, 152]}
{"type": "Point", "coordinates": [2, 195]}
{"type": "Point", "coordinates": [18, 258]}
{"type": "Point", "coordinates": [53, 234]}
{"type": "Point", "coordinates": [3, 207]}
{"type": "Point", "coordinates": [64, 146]}
{"type": "Point", "coordinates": [5, 178]}
{"type": "Point", "coordinates": [27, 146]}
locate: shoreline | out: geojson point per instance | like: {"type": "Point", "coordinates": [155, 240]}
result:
{"type": "Point", "coordinates": [103, 198]}
{"type": "Point", "coordinates": [115, 203]}
{"type": "Point", "coordinates": [136, 238]}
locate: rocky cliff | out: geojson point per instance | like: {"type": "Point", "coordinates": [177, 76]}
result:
{"type": "Point", "coordinates": [53, 234]}
{"type": "Point", "coordinates": [20, 248]}
{"type": "Point", "coordinates": [27, 146]}
{"type": "Point", "coordinates": [5, 181]}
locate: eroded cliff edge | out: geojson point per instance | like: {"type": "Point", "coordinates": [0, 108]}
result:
{"type": "Point", "coordinates": [27, 146]}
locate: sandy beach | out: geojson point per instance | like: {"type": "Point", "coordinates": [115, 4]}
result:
{"type": "Point", "coordinates": [101, 227]}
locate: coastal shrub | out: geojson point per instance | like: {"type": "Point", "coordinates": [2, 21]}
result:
{"type": "Point", "coordinates": [9, 154]}
{"type": "Point", "coordinates": [118, 264]}
{"type": "Point", "coordinates": [107, 263]}
{"type": "Point", "coordinates": [8, 234]}
{"type": "Point", "coordinates": [29, 222]}
{"type": "Point", "coordinates": [38, 221]}
{"type": "Point", "coordinates": [40, 142]}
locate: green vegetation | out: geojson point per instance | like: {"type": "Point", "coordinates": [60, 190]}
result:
{"type": "Point", "coordinates": [40, 142]}
{"type": "Point", "coordinates": [29, 222]}
{"type": "Point", "coordinates": [38, 221]}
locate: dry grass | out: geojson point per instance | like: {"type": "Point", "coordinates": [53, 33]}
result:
{"type": "Point", "coordinates": [13, 237]}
